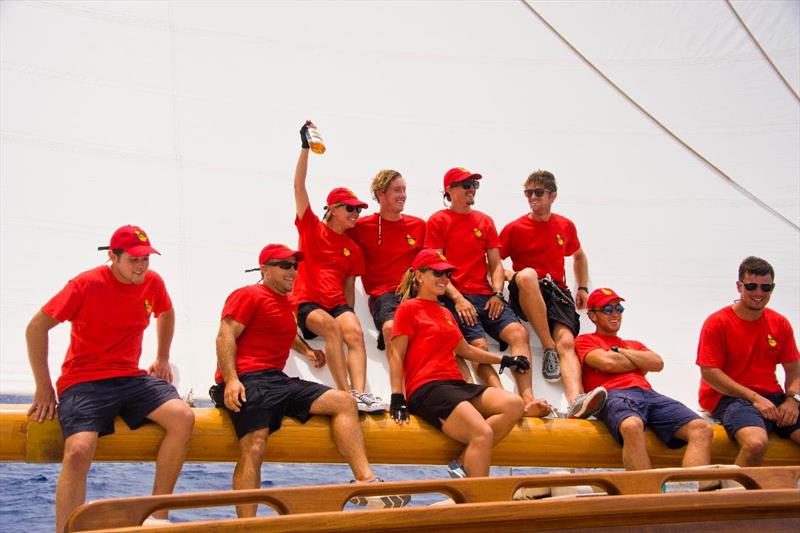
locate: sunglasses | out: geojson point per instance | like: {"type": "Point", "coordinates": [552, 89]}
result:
{"type": "Point", "coordinates": [766, 287]}
{"type": "Point", "coordinates": [466, 184]}
{"type": "Point", "coordinates": [438, 273]}
{"type": "Point", "coordinates": [608, 309]}
{"type": "Point", "coordinates": [283, 265]}
{"type": "Point", "coordinates": [351, 208]}
{"type": "Point", "coordinates": [538, 192]}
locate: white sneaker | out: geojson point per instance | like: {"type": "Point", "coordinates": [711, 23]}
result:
{"type": "Point", "coordinates": [367, 403]}
{"type": "Point", "coordinates": [380, 502]}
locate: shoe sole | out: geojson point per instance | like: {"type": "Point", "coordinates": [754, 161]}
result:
{"type": "Point", "coordinates": [553, 380]}
{"type": "Point", "coordinates": [371, 409]}
{"type": "Point", "coordinates": [592, 404]}
{"type": "Point", "coordinates": [382, 502]}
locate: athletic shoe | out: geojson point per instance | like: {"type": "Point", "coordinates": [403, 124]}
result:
{"type": "Point", "coordinates": [587, 404]}
{"type": "Point", "coordinates": [380, 502]}
{"type": "Point", "coordinates": [456, 469]}
{"type": "Point", "coordinates": [367, 403]}
{"type": "Point", "coordinates": [551, 367]}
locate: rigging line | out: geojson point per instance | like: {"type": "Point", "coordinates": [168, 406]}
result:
{"type": "Point", "coordinates": [761, 49]}
{"type": "Point", "coordinates": [658, 123]}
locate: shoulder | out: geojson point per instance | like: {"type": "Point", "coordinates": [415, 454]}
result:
{"type": "Point", "coordinates": [154, 277]}
{"type": "Point", "coordinates": [412, 221]}
{"type": "Point", "coordinates": [366, 221]}
{"type": "Point", "coordinates": [519, 222]}
{"type": "Point", "coordinates": [774, 317]}
{"type": "Point", "coordinates": [481, 217]}
{"type": "Point", "coordinates": [442, 214]}
{"type": "Point", "coordinates": [562, 221]}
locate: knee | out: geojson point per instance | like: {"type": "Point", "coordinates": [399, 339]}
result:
{"type": "Point", "coordinates": [631, 428]}
{"type": "Point", "coordinates": [700, 432]}
{"type": "Point", "coordinates": [515, 406]}
{"type": "Point", "coordinates": [387, 331]}
{"type": "Point", "coordinates": [755, 445]}
{"type": "Point", "coordinates": [528, 280]}
{"type": "Point", "coordinates": [78, 454]}
{"type": "Point", "coordinates": [332, 331]}
{"type": "Point", "coordinates": [342, 402]}
{"type": "Point", "coordinates": [517, 334]}
{"type": "Point", "coordinates": [253, 448]}
{"type": "Point", "coordinates": [353, 334]}
{"type": "Point", "coordinates": [484, 435]}
{"type": "Point", "coordinates": [565, 345]}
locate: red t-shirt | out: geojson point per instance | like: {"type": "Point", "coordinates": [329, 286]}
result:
{"type": "Point", "coordinates": [432, 339]}
{"type": "Point", "coordinates": [747, 351]}
{"type": "Point", "coordinates": [330, 258]}
{"type": "Point", "coordinates": [593, 378]}
{"type": "Point", "coordinates": [464, 239]}
{"type": "Point", "coordinates": [108, 321]}
{"type": "Point", "coordinates": [386, 261]}
{"type": "Point", "coordinates": [270, 326]}
{"type": "Point", "coordinates": [540, 245]}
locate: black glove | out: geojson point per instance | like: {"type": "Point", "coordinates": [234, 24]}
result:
{"type": "Point", "coordinates": [304, 134]}
{"type": "Point", "coordinates": [518, 363]}
{"type": "Point", "coordinates": [397, 408]}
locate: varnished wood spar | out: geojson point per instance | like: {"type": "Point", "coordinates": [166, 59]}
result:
{"type": "Point", "coordinates": [533, 442]}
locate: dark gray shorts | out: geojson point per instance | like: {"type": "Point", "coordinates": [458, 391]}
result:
{"type": "Point", "coordinates": [305, 309]}
{"type": "Point", "coordinates": [434, 401]}
{"type": "Point", "coordinates": [559, 303]}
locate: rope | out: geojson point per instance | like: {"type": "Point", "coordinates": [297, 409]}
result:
{"type": "Point", "coordinates": [761, 49]}
{"type": "Point", "coordinates": [658, 123]}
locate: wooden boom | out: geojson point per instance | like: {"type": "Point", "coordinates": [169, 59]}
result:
{"type": "Point", "coordinates": [533, 442]}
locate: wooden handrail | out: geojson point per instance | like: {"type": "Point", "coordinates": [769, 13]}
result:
{"type": "Point", "coordinates": [128, 512]}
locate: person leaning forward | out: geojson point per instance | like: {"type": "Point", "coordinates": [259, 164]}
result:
{"type": "Point", "coordinates": [256, 331]}
{"type": "Point", "coordinates": [469, 239]}
{"type": "Point", "coordinates": [632, 405]}
{"type": "Point", "coordinates": [537, 243]}
{"type": "Point", "coordinates": [110, 307]}
{"type": "Point", "coordinates": [740, 346]}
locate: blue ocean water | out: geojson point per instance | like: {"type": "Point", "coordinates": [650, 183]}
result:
{"type": "Point", "coordinates": [27, 491]}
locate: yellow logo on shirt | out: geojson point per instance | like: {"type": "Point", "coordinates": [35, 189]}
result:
{"type": "Point", "coordinates": [478, 233]}
{"type": "Point", "coordinates": [559, 240]}
{"type": "Point", "coordinates": [411, 240]}
{"type": "Point", "coordinates": [140, 235]}
{"type": "Point", "coordinates": [771, 340]}
{"type": "Point", "coordinates": [346, 252]}
{"type": "Point", "coordinates": [148, 306]}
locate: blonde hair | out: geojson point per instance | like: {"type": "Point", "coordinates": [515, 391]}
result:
{"type": "Point", "coordinates": [329, 211]}
{"type": "Point", "coordinates": [408, 285]}
{"type": "Point", "coordinates": [382, 180]}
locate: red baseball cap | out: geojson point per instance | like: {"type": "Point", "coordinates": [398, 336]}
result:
{"type": "Point", "coordinates": [131, 239]}
{"type": "Point", "coordinates": [278, 251]}
{"type": "Point", "coordinates": [343, 195]}
{"type": "Point", "coordinates": [432, 259]}
{"type": "Point", "coordinates": [601, 297]}
{"type": "Point", "coordinates": [457, 174]}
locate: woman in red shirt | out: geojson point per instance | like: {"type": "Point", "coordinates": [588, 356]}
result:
{"type": "Point", "coordinates": [425, 341]}
{"type": "Point", "coordinates": [325, 283]}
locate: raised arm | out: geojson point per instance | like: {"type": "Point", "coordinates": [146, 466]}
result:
{"type": "Point", "coordinates": [43, 405]}
{"type": "Point", "coordinates": [301, 170]}
{"type": "Point", "coordinates": [580, 265]}
{"type": "Point", "coordinates": [229, 331]}
{"type": "Point", "coordinates": [165, 331]}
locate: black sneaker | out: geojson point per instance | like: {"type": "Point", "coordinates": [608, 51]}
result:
{"type": "Point", "coordinates": [587, 404]}
{"type": "Point", "coordinates": [551, 366]}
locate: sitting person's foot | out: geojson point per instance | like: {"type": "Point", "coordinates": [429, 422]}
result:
{"type": "Point", "coordinates": [538, 407]}
{"type": "Point", "coordinates": [379, 502]}
{"type": "Point", "coordinates": [587, 404]}
{"type": "Point", "coordinates": [551, 366]}
{"type": "Point", "coordinates": [367, 403]}
{"type": "Point", "coordinates": [456, 469]}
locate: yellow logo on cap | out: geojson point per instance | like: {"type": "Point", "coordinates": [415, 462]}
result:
{"type": "Point", "coordinates": [442, 257]}
{"type": "Point", "coordinates": [607, 292]}
{"type": "Point", "coordinates": [346, 252]}
{"type": "Point", "coordinates": [478, 233]}
{"type": "Point", "coordinates": [140, 235]}
{"type": "Point", "coordinates": [411, 240]}
{"type": "Point", "coordinates": [559, 240]}
{"type": "Point", "coordinates": [148, 307]}
{"type": "Point", "coordinates": [771, 341]}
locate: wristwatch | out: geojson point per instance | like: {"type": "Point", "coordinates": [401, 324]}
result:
{"type": "Point", "coordinates": [499, 294]}
{"type": "Point", "coordinates": [615, 348]}
{"type": "Point", "coordinates": [584, 289]}
{"type": "Point", "coordinates": [794, 396]}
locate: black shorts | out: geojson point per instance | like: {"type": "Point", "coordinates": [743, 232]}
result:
{"type": "Point", "coordinates": [383, 308]}
{"type": "Point", "coordinates": [305, 308]}
{"type": "Point", "coordinates": [434, 401]}
{"type": "Point", "coordinates": [271, 395]}
{"type": "Point", "coordinates": [93, 405]}
{"type": "Point", "coordinates": [559, 302]}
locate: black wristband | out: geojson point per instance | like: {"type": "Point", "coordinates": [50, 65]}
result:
{"type": "Point", "coordinates": [584, 289]}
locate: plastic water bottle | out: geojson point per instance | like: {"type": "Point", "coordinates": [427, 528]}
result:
{"type": "Point", "coordinates": [315, 139]}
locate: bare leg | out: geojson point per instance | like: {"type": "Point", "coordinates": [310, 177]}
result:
{"type": "Point", "coordinates": [532, 303]}
{"type": "Point", "coordinates": [71, 488]}
{"type": "Point", "coordinates": [485, 373]}
{"type": "Point", "coordinates": [356, 351]}
{"type": "Point", "coordinates": [177, 419]}
{"type": "Point", "coordinates": [634, 449]}
{"type": "Point", "coordinates": [698, 434]}
{"type": "Point", "coordinates": [502, 410]}
{"type": "Point", "coordinates": [795, 436]}
{"type": "Point", "coordinates": [247, 474]}
{"type": "Point", "coordinates": [753, 442]}
{"type": "Point", "coordinates": [324, 325]}
{"type": "Point", "coordinates": [465, 424]}
{"type": "Point", "coordinates": [516, 335]}
{"type": "Point", "coordinates": [346, 430]}
{"type": "Point", "coordinates": [570, 364]}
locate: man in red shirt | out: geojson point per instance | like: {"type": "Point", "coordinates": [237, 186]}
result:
{"type": "Point", "coordinates": [257, 329]}
{"type": "Point", "coordinates": [632, 405]}
{"type": "Point", "coordinates": [389, 240]}
{"type": "Point", "coordinates": [537, 244]}
{"type": "Point", "coordinates": [469, 239]}
{"type": "Point", "coordinates": [109, 308]}
{"type": "Point", "coordinates": [740, 346]}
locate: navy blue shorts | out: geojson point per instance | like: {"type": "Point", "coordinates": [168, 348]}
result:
{"type": "Point", "coordinates": [434, 401]}
{"type": "Point", "coordinates": [271, 395]}
{"type": "Point", "coordinates": [305, 308]}
{"type": "Point", "coordinates": [93, 405]}
{"type": "Point", "coordinates": [660, 413]}
{"type": "Point", "coordinates": [559, 303]}
{"type": "Point", "coordinates": [737, 413]}
{"type": "Point", "coordinates": [484, 325]}
{"type": "Point", "coordinates": [383, 308]}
